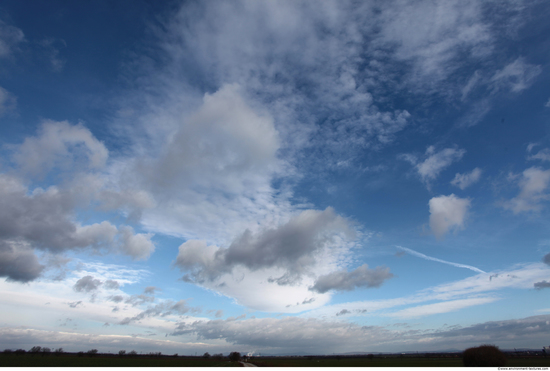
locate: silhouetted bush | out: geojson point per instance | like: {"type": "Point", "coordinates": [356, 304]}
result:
{"type": "Point", "coordinates": [46, 351]}
{"type": "Point", "coordinates": [483, 356]}
{"type": "Point", "coordinates": [121, 353]}
{"type": "Point", "coordinates": [35, 349]}
{"type": "Point", "coordinates": [234, 356]}
{"type": "Point", "coordinates": [20, 351]}
{"type": "Point", "coordinates": [59, 351]}
{"type": "Point", "coordinates": [92, 352]}
{"type": "Point", "coordinates": [218, 356]}
{"type": "Point", "coordinates": [206, 355]}
{"type": "Point", "coordinates": [133, 353]}
{"type": "Point", "coordinates": [80, 354]}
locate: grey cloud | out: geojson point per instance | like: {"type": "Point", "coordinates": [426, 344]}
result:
{"type": "Point", "coordinates": [111, 285]}
{"type": "Point", "coordinates": [116, 298]}
{"type": "Point", "coordinates": [291, 246]}
{"type": "Point", "coordinates": [150, 290]}
{"type": "Point", "coordinates": [115, 309]}
{"type": "Point", "coordinates": [139, 299]}
{"type": "Point", "coordinates": [18, 263]}
{"type": "Point", "coordinates": [75, 304]}
{"type": "Point", "coordinates": [219, 313]}
{"type": "Point", "coordinates": [342, 312]}
{"type": "Point", "coordinates": [44, 220]}
{"type": "Point", "coordinates": [541, 285]}
{"type": "Point", "coordinates": [87, 284]}
{"type": "Point", "coordinates": [162, 309]}
{"type": "Point", "coordinates": [546, 259]}
{"type": "Point", "coordinates": [347, 281]}
{"type": "Point", "coordinates": [308, 301]}
{"type": "Point", "coordinates": [60, 144]}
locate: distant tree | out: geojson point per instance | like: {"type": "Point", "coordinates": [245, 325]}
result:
{"type": "Point", "coordinates": [92, 352]}
{"type": "Point", "coordinates": [80, 354]}
{"type": "Point", "coordinates": [218, 356]}
{"type": "Point", "coordinates": [46, 351]}
{"type": "Point", "coordinates": [234, 356]}
{"type": "Point", "coordinates": [206, 355]}
{"type": "Point", "coordinates": [35, 349]}
{"type": "Point", "coordinates": [121, 353]}
{"type": "Point", "coordinates": [175, 355]}
{"type": "Point", "coordinates": [59, 351]}
{"type": "Point", "coordinates": [483, 356]}
{"type": "Point", "coordinates": [20, 351]}
{"type": "Point", "coordinates": [133, 353]}
{"type": "Point", "coordinates": [8, 351]}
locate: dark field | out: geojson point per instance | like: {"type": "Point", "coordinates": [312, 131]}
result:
{"type": "Point", "coordinates": [72, 360]}
{"type": "Point", "coordinates": [387, 362]}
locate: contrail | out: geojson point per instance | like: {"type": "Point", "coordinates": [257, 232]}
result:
{"type": "Point", "coordinates": [420, 255]}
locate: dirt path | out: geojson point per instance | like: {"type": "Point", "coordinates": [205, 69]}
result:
{"type": "Point", "coordinates": [247, 364]}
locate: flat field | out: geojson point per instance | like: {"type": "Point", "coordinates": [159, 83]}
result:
{"type": "Point", "coordinates": [386, 362]}
{"type": "Point", "coordinates": [70, 360]}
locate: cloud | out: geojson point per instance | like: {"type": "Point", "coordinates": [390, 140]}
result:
{"type": "Point", "coordinates": [75, 304]}
{"type": "Point", "coordinates": [342, 312]}
{"type": "Point", "coordinates": [111, 285]}
{"type": "Point", "coordinates": [347, 281]}
{"type": "Point", "coordinates": [541, 285]}
{"type": "Point", "coordinates": [162, 309]}
{"type": "Point", "coordinates": [137, 245]}
{"type": "Point", "coordinates": [10, 37]}
{"type": "Point", "coordinates": [547, 103]}
{"type": "Point", "coordinates": [44, 220]}
{"type": "Point", "coordinates": [516, 76]}
{"type": "Point", "coordinates": [150, 290]}
{"type": "Point", "coordinates": [8, 101]}
{"type": "Point", "coordinates": [443, 307]}
{"type": "Point", "coordinates": [543, 155]}
{"type": "Point", "coordinates": [420, 255]}
{"type": "Point", "coordinates": [61, 145]}
{"type": "Point", "coordinates": [435, 162]}
{"type": "Point", "coordinates": [291, 246]}
{"type": "Point", "coordinates": [18, 262]}
{"type": "Point", "coordinates": [463, 181]}
{"type": "Point", "coordinates": [446, 213]}
{"type": "Point", "coordinates": [533, 184]}
{"type": "Point", "coordinates": [87, 284]}
{"type": "Point", "coordinates": [546, 259]}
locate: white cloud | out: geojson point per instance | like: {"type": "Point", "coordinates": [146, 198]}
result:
{"type": "Point", "coordinates": [533, 184]}
{"type": "Point", "coordinates": [442, 307]}
{"type": "Point", "coordinates": [434, 162]}
{"type": "Point", "coordinates": [543, 155]}
{"type": "Point", "coordinates": [62, 145]}
{"type": "Point", "coordinates": [516, 76]}
{"type": "Point", "coordinates": [282, 260]}
{"type": "Point", "coordinates": [446, 213]}
{"type": "Point", "coordinates": [463, 181]}
{"type": "Point", "coordinates": [547, 103]}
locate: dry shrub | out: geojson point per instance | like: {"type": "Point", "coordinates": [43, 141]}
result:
{"type": "Point", "coordinates": [483, 356]}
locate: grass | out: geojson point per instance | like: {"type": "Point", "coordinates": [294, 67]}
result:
{"type": "Point", "coordinates": [71, 360]}
{"type": "Point", "coordinates": [386, 362]}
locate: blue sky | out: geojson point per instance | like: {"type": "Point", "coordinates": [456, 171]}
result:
{"type": "Point", "coordinates": [278, 176]}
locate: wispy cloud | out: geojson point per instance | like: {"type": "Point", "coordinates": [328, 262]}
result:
{"type": "Point", "coordinates": [458, 265]}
